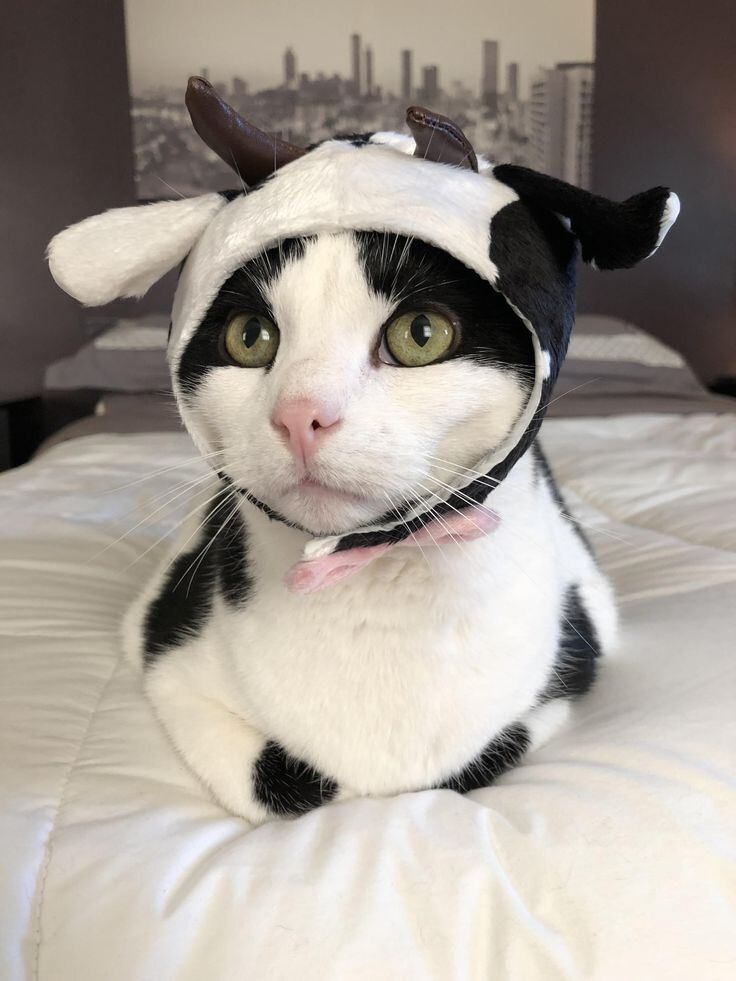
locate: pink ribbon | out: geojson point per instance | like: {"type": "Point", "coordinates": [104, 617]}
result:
{"type": "Point", "coordinates": [311, 575]}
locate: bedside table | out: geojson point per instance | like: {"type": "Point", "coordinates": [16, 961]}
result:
{"type": "Point", "coordinates": [21, 430]}
{"type": "Point", "coordinates": [725, 385]}
{"type": "Point", "coordinates": [4, 439]}
{"type": "Point", "coordinates": [25, 423]}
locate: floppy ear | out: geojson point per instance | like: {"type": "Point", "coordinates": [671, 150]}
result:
{"type": "Point", "coordinates": [612, 235]}
{"type": "Point", "coordinates": [123, 252]}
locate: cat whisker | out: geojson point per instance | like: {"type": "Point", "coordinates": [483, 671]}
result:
{"type": "Point", "coordinates": [568, 392]}
{"type": "Point", "coordinates": [448, 529]}
{"type": "Point", "coordinates": [203, 506]}
{"type": "Point", "coordinates": [491, 483]}
{"type": "Point", "coordinates": [525, 573]}
{"type": "Point", "coordinates": [170, 531]}
{"type": "Point", "coordinates": [203, 552]}
{"type": "Point", "coordinates": [143, 521]}
{"type": "Point", "coordinates": [416, 542]}
{"type": "Point", "coordinates": [157, 473]}
{"type": "Point", "coordinates": [458, 511]}
{"type": "Point", "coordinates": [463, 472]}
{"type": "Point", "coordinates": [184, 485]}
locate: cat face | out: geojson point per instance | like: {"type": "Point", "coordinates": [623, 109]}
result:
{"type": "Point", "coordinates": [340, 376]}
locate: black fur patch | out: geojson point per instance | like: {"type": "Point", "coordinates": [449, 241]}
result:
{"type": "Point", "coordinates": [243, 290]}
{"type": "Point", "coordinates": [217, 560]}
{"type": "Point", "coordinates": [357, 139]}
{"type": "Point", "coordinates": [544, 473]}
{"type": "Point", "coordinates": [613, 235]}
{"type": "Point", "coordinates": [235, 580]}
{"type": "Point", "coordinates": [286, 785]}
{"type": "Point", "coordinates": [500, 755]}
{"type": "Point", "coordinates": [536, 256]}
{"type": "Point", "coordinates": [184, 601]}
{"type": "Point", "coordinates": [576, 662]}
{"type": "Point", "coordinates": [423, 276]}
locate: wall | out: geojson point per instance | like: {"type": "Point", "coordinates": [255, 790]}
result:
{"type": "Point", "coordinates": [665, 113]}
{"type": "Point", "coordinates": [66, 153]}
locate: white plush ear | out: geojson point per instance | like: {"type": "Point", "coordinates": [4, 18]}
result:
{"type": "Point", "coordinates": [123, 252]}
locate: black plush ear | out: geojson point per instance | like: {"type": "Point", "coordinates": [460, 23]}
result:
{"type": "Point", "coordinates": [612, 234]}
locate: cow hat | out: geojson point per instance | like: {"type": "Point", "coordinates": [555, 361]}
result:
{"type": "Point", "coordinates": [519, 230]}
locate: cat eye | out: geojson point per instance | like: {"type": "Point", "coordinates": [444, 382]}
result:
{"type": "Point", "coordinates": [251, 339]}
{"type": "Point", "coordinates": [419, 337]}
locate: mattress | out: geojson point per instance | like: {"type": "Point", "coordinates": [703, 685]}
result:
{"type": "Point", "coordinates": [610, 853]}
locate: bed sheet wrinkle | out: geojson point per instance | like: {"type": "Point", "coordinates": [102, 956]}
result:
{"type": "Point", "coordinates": [618, 833]}
{"type": "Point", "coordinates": [49, 847]}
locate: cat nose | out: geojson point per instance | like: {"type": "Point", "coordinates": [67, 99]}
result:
{"type": "Point", "coordinates": [303, 424]}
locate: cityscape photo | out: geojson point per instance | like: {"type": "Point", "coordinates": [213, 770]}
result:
{"type": "Point", "coordinates": [542, 120]}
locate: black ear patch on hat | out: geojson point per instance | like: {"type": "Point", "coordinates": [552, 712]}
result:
{"type": "Point", "coordinates": [612, 234]}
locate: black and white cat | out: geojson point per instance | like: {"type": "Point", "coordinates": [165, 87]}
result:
{"type": "Point", "coordinates": [382, 593]}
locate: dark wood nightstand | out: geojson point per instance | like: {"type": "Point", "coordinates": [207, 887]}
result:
{"type": "Point", "coordinates": [21, 430]}
{"type": "Point", "coordinates": [25, 423]}
{"type": "Point", "coordinates": [4, 439]}
{"type": "Point", "coordinates": [726, 385]}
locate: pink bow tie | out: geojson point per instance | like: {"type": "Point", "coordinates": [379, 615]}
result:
{"type": "Point", "coordinates": [309, 575]}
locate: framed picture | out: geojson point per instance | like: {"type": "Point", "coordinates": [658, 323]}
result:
{"type": "Point", "coordinates": [516, 76]}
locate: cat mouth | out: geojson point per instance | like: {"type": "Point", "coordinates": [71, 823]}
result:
{"type": "Point", "coordinates": [317, 490]}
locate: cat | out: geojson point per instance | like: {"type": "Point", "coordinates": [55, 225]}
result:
{"type": "Point", "coordinates": [381, 591]}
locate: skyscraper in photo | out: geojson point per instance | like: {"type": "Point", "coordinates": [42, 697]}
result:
{"type": "Point", "coordinates": [489, 77]}
{"type": "Point", "coordinates": [407, 86]}
{"type": "Point", "coordinates": [430, 85]}
{"type": "Point", "coordinates": [561, 121]}
{"type": "Point", "coordinates": [355, 56]}
{"type": "Point", "coordinates": [289, 69]}
{"type": "Point", "coordinates": [512, 82]}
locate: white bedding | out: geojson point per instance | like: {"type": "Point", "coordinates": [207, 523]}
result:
{"type": "Point", "coordinates": [609, 854]}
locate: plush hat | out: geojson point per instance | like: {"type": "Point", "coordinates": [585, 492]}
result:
{"type": "Point", "coordinates": [518, 229]}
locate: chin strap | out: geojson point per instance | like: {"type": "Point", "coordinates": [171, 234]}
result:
{"type": "Point", "coordinates": [313, 574]}
{"type": "Point", "coordinates": [328, 560]}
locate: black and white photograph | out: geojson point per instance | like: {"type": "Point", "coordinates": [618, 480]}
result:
{"type": "Point", "coordinates": [520, 96]}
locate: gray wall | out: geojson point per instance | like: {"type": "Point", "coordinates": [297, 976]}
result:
{"type": "Point", "coordinates": [65, 153]}
{"type": "Point", "coordinates": [665, 113]}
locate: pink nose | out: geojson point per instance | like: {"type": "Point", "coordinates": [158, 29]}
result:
{"type": "Point", "coordinates": [304, 424]}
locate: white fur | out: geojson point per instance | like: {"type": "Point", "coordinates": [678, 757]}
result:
{"type": "Point", "coordinates": [391, 418]}
{"type": "Point", "coordinates": [397, 677]}
{"type": "Point", "coordinates": [124, 251]}
{"type": "Point", "coordinates": [669, 217]}
{"type": "Point", "coordinates": [337, 186]}
{"type": "Point", "coordinates": [390, 681]}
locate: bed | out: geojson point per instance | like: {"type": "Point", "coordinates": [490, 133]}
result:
{"type": "Point", "coordinates": [610, 853]}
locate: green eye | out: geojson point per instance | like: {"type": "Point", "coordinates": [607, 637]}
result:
{"type": "Point", "coordinates": [251, 340]}
{"type": "Point", "coordinates": [419, 337]}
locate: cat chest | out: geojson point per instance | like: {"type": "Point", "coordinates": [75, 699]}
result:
{"type": "Point", "coordinates": [388, 688]}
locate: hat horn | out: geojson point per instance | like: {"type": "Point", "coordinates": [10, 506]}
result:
{"type": "Point", "coordinates": [438, 138]}
{"type": "Point", "coordinates": [251, 153]}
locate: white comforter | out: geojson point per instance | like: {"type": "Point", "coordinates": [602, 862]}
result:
{"type": "Point", "coordinates": [609, 854]}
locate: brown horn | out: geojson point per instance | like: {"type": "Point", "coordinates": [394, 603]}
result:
{"type": "Point", "coordinates": [250, 152]}
{"type": "Point", "coordinates": [439, 139]}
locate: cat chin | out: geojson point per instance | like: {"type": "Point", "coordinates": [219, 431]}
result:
{"type": "Point", "coordinates": [324, 512]}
